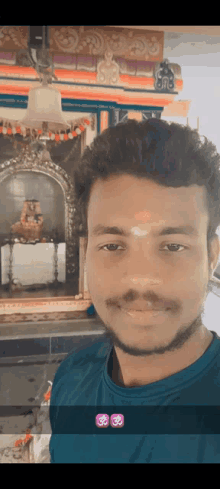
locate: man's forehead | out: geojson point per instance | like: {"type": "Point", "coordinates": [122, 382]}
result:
{"type": "Point", "coordinates": [140, 217]}
{"type": "Point", "coordinates": [140, 197]}
{"type": "Point", "coordinates": [116, 186]}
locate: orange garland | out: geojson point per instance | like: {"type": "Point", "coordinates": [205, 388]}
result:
{"type": "Point", "coordinates": [57, 136]}
{"type": "Point", "coordinates": [28, 437]}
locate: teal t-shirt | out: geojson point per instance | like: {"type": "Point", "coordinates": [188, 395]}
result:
{"type": "Point", "coordinates": [82, 389]}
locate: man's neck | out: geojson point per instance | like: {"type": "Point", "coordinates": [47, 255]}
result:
{"type": "Point", "coordinates": [155, 375]}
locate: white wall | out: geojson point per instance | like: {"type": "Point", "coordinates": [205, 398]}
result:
{"type": "Point", "coordinates": [199, 58]}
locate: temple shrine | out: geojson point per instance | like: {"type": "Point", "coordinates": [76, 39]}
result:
{"type": "Point", "coordinates": [100, 76]}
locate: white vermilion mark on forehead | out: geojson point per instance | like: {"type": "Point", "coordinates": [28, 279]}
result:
{"type": "Point", "coordinates": [138, 232]}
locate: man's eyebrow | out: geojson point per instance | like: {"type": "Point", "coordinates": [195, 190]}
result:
{"type": "Point", "coordinates": [100, 230]}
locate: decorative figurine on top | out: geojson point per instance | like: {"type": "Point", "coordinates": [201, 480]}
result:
{"type": "Point", "coordinates": [31, 223]}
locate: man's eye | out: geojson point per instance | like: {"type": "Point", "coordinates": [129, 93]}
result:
{"type": "Point", "coordinates": [111, 244]}
{"type": "Point", "coordinates": [174, 244]}
{"type": "Point", "coordinates": [169, 245]}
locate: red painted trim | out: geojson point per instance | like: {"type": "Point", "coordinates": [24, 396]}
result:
{"type": "Point", "coordinates": [80, 75]}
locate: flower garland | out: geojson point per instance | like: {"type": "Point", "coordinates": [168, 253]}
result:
{"type": "Point", "coordinates": [12, 130]}
{"type": "Point", "coordinates": [23, 441]}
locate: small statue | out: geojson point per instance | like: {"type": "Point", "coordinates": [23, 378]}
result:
{"type": "Point", "coordinates": [31, 223]}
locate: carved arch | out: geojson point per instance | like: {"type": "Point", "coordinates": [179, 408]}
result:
{"type": "Point", "coordinates": [34, 162]}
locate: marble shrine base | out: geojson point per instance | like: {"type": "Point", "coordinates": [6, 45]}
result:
{"type": "Point", "coordinates": [42, 309]}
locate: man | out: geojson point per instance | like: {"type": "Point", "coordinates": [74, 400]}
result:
{"type": "Point", "coordinates": [150, 259]}
{"type": "Point", "coordinates": [125, 273]}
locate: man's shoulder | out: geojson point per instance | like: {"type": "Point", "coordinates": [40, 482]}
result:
{"type": "Point", "coordinates": [85, 349]}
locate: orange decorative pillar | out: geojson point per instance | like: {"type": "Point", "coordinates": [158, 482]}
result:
{"type": "Point", "coordinates": [104, 120]}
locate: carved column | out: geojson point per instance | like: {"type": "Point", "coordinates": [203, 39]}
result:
{"type": "Point", "coordinates": [83, 285]}
{"type": "Point", "coordinates": [115, 118]}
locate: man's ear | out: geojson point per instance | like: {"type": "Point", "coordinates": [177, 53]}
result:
{"type": "Point", "coordinates": [214, 252]}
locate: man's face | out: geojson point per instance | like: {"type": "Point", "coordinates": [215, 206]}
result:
{"type": "Point", "coordinates": [169, 270]}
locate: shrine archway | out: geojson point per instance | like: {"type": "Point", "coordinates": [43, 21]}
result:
{"type": "Point", "coordinates": [31, 163]}
{"type": "Point", "coordinates": [26, 185]}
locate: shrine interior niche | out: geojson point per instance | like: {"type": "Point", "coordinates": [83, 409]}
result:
{"type": "Point", "coordinates": [36, 208]}
{"type": "Point", "coordinates": [17, 195]}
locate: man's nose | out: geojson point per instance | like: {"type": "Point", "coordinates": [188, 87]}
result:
{"type": "Point", "coordinates": [140, 280]}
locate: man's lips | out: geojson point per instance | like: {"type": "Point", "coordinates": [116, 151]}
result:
{"type": "Point", "coordinates": [146, 309]}
{"type": "Point", "coordinates": [147, 316]}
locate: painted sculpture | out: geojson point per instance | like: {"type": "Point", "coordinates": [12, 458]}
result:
{"type": "Point", "coordinates": [31, 223]}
